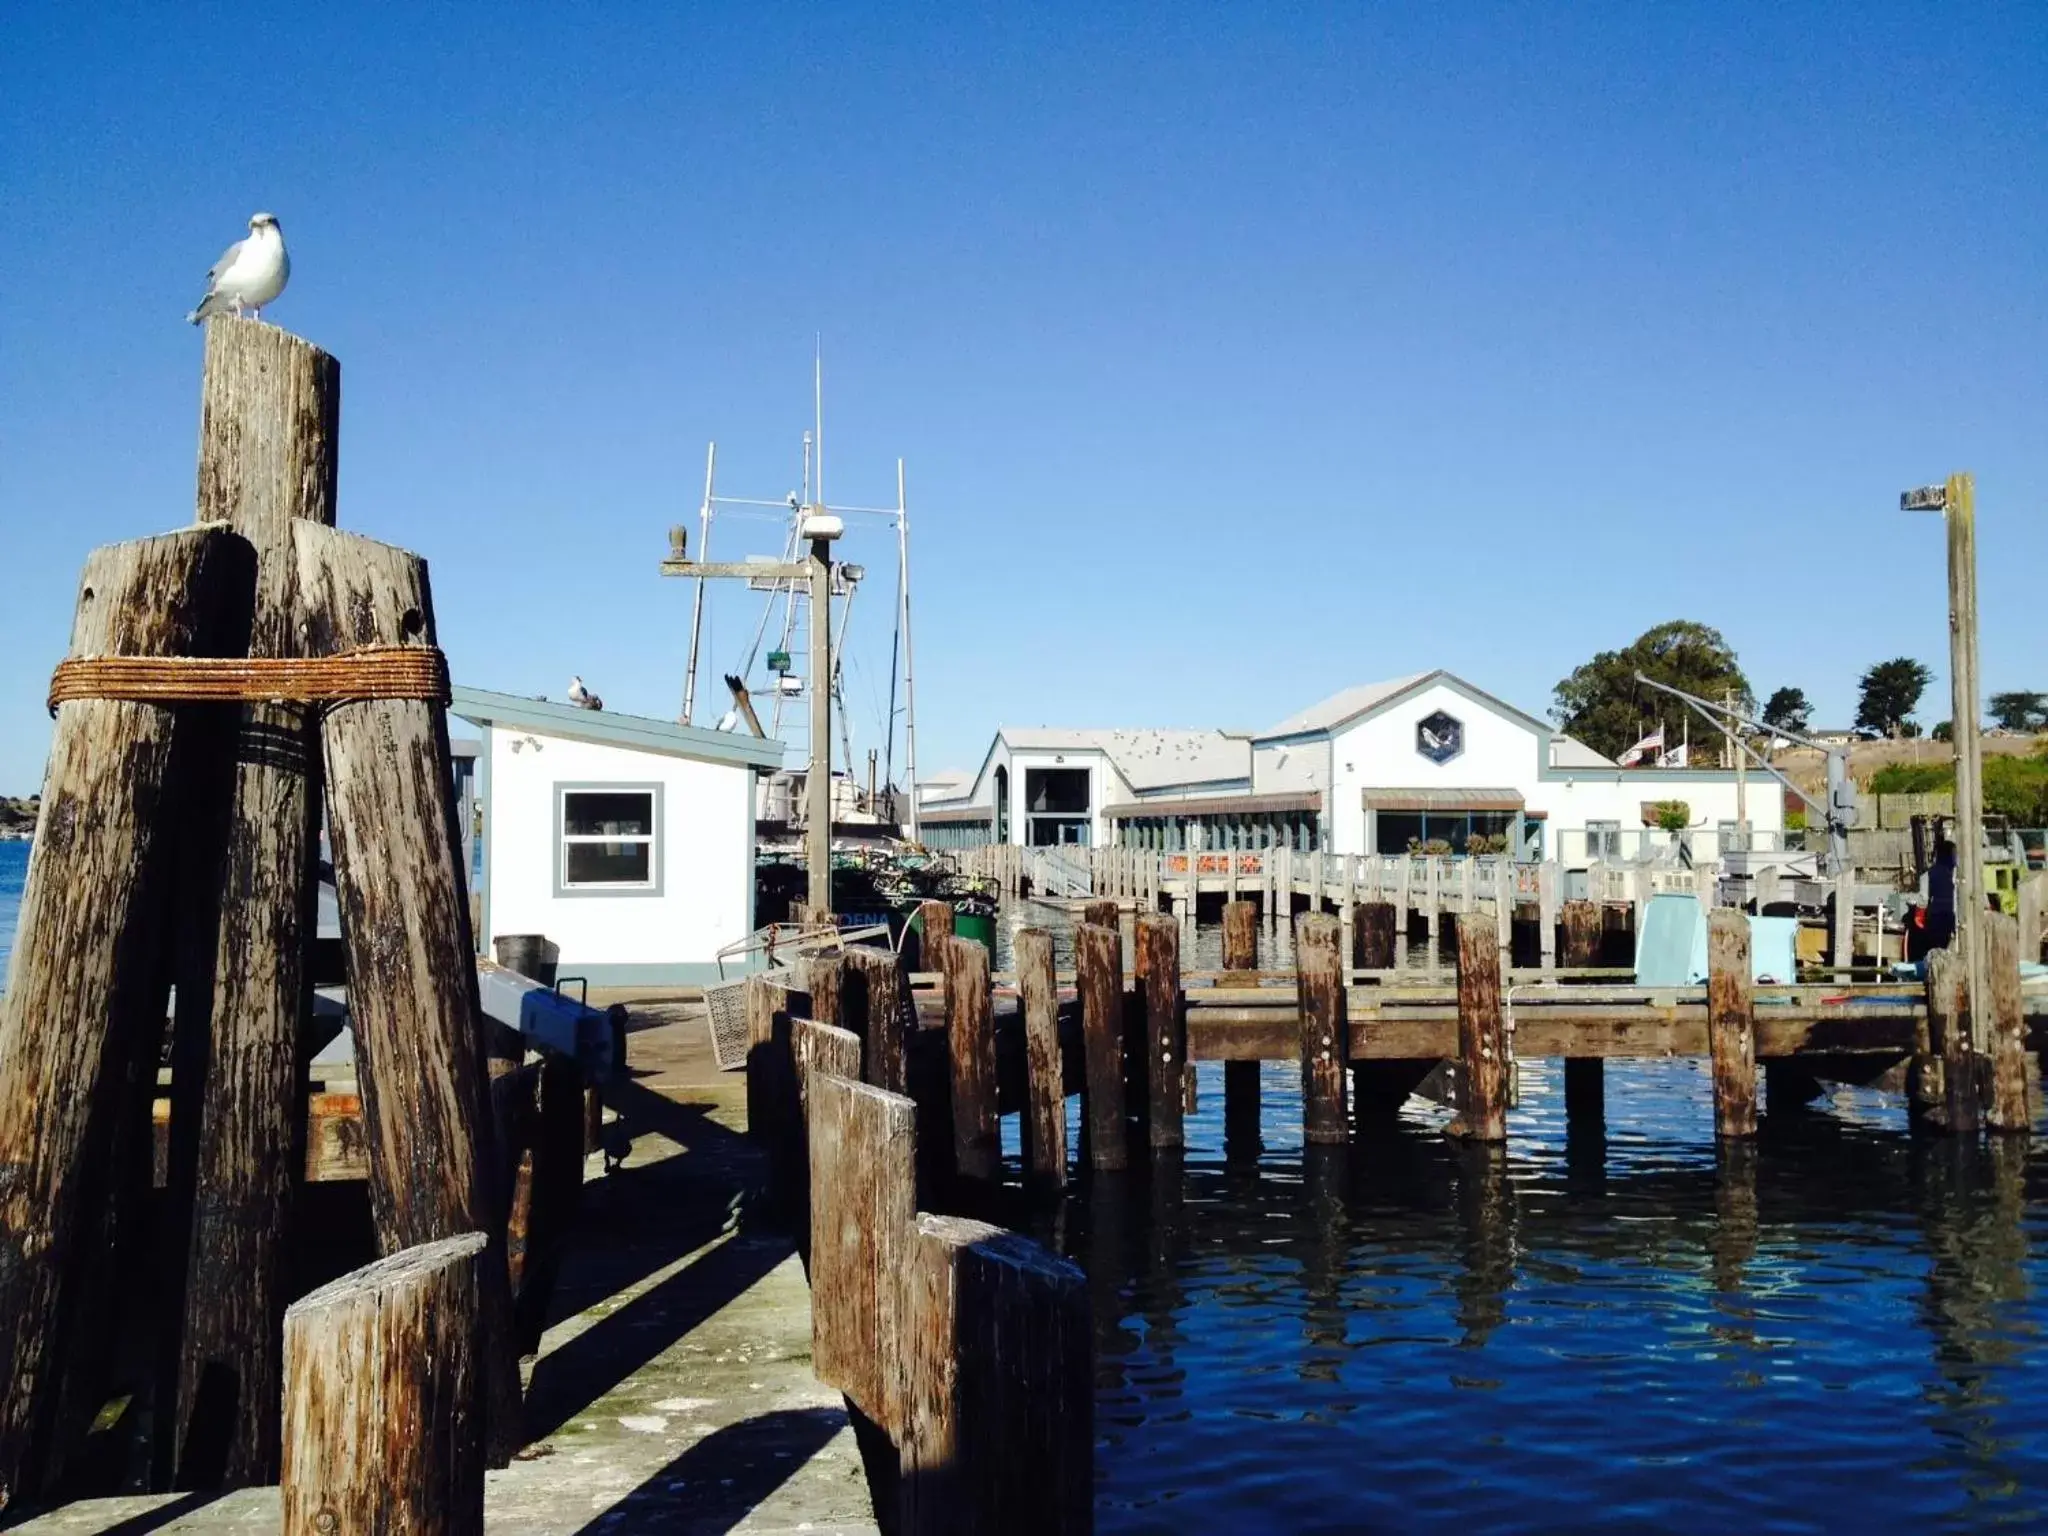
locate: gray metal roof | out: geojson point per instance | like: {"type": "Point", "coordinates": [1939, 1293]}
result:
{"type": "Point", "coordinates": [1148, 759]}
{"type": "Point", "coordinates": [544, 717]}
{"type": "Point", "coordinates": [1339, 707]}
{"type": "Point", "coordinates": [1570, 752]}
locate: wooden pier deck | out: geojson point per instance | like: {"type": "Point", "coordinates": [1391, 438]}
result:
{"type": "Point", "coordinates": [673, 1388]}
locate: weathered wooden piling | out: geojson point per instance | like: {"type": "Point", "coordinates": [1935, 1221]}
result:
{"type": "Point", "coordinates": [1241, 1078]}
{"type": "Point", "coordinates": [269, 453]}
{"type": "Point", "coordinates": [406, 935]}
{"type": "Point", "coordinates": [2008, 1109]}
{"type": "Point", "coordinates": [935, 924]}
{"type": "Point", "coordinates": [1953, 1060]}
{"type": "Point", "coordinates": [1482, 1042]}
{"type": "Point", "coordinates": [1099, 966]}
{"type": "Point", "coordinates": [1106, 913]}
{"type": "Point", "coordinates": [825, 979]}
{"type": "Point", "coordinates": [999, 1392]}
{"type": "Point", "coordinates": [1166, 1056]}
{"type": "Point", "coordinates": [1325, 1044]}
{"type": "Point", "coordinates": [383, 1415]}
{"type": "Point", "coordinates": [84, 1007]}
{"type": "Point", "coordinates": [1585, 1077]}
{"type": "Point", "coordinates": [1731, 1023]}
{"type": "Point", "coordinates": [1045, 1112]}
{"type": "Point", "coordinates": [863, 1174]}
{"type": "Point", "coordinates": [815, 1048]}
{"type": "Point", "coordinates": [877, 990]}
{"type": "Point", "coordinates": [971, 1045]}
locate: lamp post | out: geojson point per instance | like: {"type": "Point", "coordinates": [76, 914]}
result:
{"type": "Point", "coordinates": [1956, 501]}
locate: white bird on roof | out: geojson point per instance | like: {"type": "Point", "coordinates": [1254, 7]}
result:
{"type": "Point", "coordinates": [582, 697]}
{"type": "Point", "coordinates": [249, 274]}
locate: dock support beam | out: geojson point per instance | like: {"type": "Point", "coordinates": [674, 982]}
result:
{"type": "Point", "coordinates": [1731, 1024]}
{"type": "Point", "coordinates": [1482, 1042]}
{"type": "Point", "coordinates": [1324, 1044]}
{"type": "Point", "coordinates": [1099, 961]}
{"type": "Point", "coordinates": [1166, 1057]}
{"type": "Point", "coordinates": [1241, 1078]}
{"type": "Point", "coordinates": [1585, 1077]}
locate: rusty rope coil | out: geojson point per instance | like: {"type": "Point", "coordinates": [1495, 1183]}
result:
{"type": "Point", "coordinates": [374, 672]}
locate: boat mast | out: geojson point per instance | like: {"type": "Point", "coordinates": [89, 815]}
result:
{"type": "Point", "coordinates": [697, 604]}
{"type": "Point", "coordinates": [909, 673]}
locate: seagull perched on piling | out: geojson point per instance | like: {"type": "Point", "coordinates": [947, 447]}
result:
{"type": "Point", "coordinates": [582, 697]}
{"type": "Point", "coordinates": [249, 274]}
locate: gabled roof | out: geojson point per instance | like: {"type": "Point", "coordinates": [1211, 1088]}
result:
{"type": "Point", "coordinates": [544, 717]}
{"type": "Point", "coordinates": [1570, 752]}
{"type": "Point", "coordinates": [1341, 709]}
{"type": "Point", "coordinates": [1147, 759]}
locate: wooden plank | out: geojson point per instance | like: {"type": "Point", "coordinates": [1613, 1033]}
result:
{"type": "Point", "coordinates": [1482, 1044]}
{"type": "Point", "coordinates": [2008, 1109]}
{"type": "Point", "coordinates": [971, 1045]}
{"type": "Point", "coordinates": [269, 446]}
{"type": "Point", "coordinates": [863, 1177]}
{"type": "Point", "coordinates": [84, 1011]}
{"type": "Point", "coordinates": [1045, 1116]}
{"type": "Point", "coordinates": [405, 928]}
{"type": "Point", "coordinates": [1731, 1025]}
{"type": "Point", "coordinates": [936, 921]}
{"type": "Point", "coordinates": [1098, 957]}
{"type": "Point", "coordinates": [1000, 1427]}
{"type": "Point", "coordinates": [817, 1047]}
{"type": "Point", "coordinates": [383, 1413]}
{"type": "Point", "coordinates": [1165, 1036]}
{"type": "Point", "coordinates": [555, 1191]}
{"type": "Point", "coordinates": [1324, 1047]}
{"type": "Point", "coordinates": [1103, 913]}
{"type": "Point", "coordinates": [825, 979]}
{"type": "Point", "coordinates": [878, 992]}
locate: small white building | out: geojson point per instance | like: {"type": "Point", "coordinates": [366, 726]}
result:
{"type": "Point", "coordinates": [1427, 760]}
{"type": "Point", "coordinates": [628, 842]}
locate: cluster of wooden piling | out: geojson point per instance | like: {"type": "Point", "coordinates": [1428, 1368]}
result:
{"type": "Point", "coordinates": [966, 1347]}
{"type": "Point", "coordinates": [177, 843]}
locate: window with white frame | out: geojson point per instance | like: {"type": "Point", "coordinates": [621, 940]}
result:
{"type": "Point", "coordinates": [606, 837]}
{"type": "Point", "coordinates": [1603, 839]}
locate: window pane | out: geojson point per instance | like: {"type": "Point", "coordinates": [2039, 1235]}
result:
{"type": "Point", "coordinates": [1396, 829]}
{"type": "Point", "coordinates": [607, 813]}
{"type": "Point", "coordinates": [607, 863]}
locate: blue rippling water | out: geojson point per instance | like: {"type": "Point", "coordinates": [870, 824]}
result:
{"type": "Point", "coordinates": [13, 871]}
{"type": "Point", "coordinates": [1839, 1330]}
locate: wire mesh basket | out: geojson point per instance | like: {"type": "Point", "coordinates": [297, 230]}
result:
{"type": "Point", "coordinates": [726, 1004]}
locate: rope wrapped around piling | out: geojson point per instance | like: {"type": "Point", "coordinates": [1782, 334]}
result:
{"type": "Point", "coordinates": [374, 672]}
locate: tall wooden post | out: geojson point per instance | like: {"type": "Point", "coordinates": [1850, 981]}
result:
{"type": "Point", "coordinates": [1960, 517]}
{"type": "Point", "coordinates": [1106, 913]}
{"type": "Point", "coordinates": [383, 1423]}
{"type": "Point", "coordinates": [269, 453]}
{"type": "Point", "coordinates": [1731, 1023]}
{"type": "Point", "coordinates": [1585, 1077]}
{"type": "Point", "coordinates": [1165, 1034]}
{"type": "Point", "coordinates": [1099, 962]}
{"type": "Point", "coordinates": [1241, 1078]}
{"type": "Point", "coordinates": [1045, 1113]}
{"type": "Point", "coordinates": [84, 1006]}
{"type": "Point", "coordinates": [1482, 1042]}
{"type": "Point", "coordinates": [971, 1043]}
{"type": "Point", "coordinates": [935, 921]}
{"type": "Point", "coordinates": [406, 936]}
{"type": "Point", "coordinates": [1325, 1045]}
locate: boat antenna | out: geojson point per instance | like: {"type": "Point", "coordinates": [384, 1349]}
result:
{"type": "Point", "coordinates": [697, 603]}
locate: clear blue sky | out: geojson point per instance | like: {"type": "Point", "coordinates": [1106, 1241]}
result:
{"type": "Point", "coordinates": [1237, 353]}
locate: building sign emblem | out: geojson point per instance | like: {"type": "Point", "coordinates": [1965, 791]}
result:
{"type": "Point", "coordinates": [1439, 737]}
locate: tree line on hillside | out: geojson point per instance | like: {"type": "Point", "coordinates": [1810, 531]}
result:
{"type": "Point", "coordinates": [1603, 705]}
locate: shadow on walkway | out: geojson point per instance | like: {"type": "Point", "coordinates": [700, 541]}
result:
{"type": "Point", "coordinates": [720, 1480]}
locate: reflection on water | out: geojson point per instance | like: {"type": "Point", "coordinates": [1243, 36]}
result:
{"type": "Point", "coordinates": [1836, 1328]}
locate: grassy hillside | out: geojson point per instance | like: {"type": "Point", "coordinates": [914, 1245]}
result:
{"type": "Point", "coordinates": [17, 815]}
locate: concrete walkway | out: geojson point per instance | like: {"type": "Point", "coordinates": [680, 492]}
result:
{"type": "Point", "coordinates": [675, 1392]}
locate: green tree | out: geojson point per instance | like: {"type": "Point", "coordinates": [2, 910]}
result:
{"type": "Point", "coordinates": [1604, 706]}
{"type": "Point", "coordinates": [2019, 710]}
{"type": "Point", "coordinates": [1788, 710]}
{"type": "Point", "coordinates": [1890, 693]}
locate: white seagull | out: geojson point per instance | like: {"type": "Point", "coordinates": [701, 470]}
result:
{"type": "Point", "coordinates": [582, 697]}
{"type": "Point", "coordinates": [249, 274]}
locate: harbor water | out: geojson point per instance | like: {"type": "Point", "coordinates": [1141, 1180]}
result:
{"type": "Point", "coordinates": [1840, 1329]}
{"type": "Point", "coordinates": [13, 872]}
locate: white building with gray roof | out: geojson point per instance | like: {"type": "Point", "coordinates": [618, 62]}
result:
{"type": "Point", "coordinates": [1426, 760]}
